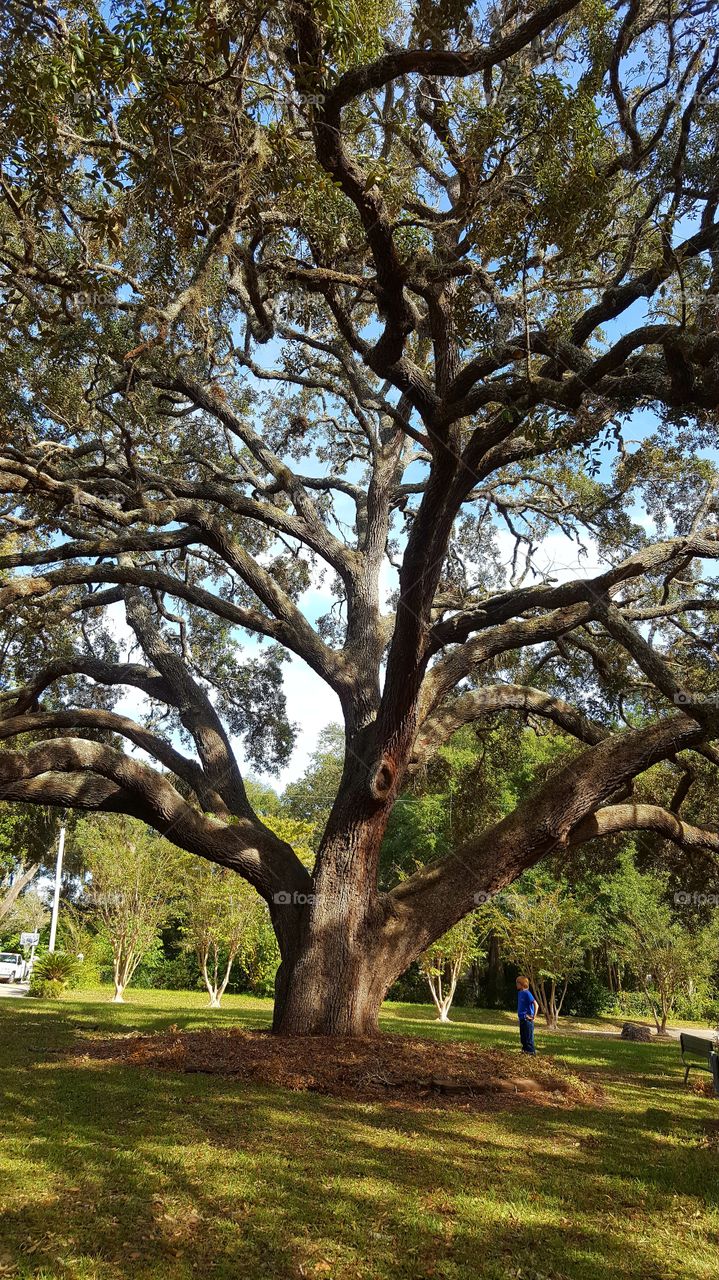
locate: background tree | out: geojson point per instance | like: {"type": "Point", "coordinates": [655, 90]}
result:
{"type": "Point", "coordinates": [311, 797]}
{"type": "Point", "coordinates": [300, 833]}
{"type": "Point", "coordinates": [12, 887]}
{"type": "Point", "coordinates": [220, 918]}
{"type": "Point", "coordinates": [28, 914]}
{"type": "Point", "coordinates": [666, 957]}
{"type": "Point", "coordinates": [447, 959]}
{"type": "Point", "coordinates": [546, 932]}
{"type": "Point", "coordinates": [398, 301]}
{"type": "Point", "coordinates": [134, 882]}
{"type": "Point", "coordinates": [263, 798]}
{"type": "Point", "coordinates": [27, 837]}
{"type": "Point", "coordinates": [473, 781]}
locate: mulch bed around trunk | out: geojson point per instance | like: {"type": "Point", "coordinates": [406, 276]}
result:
{"type": "Point", "coordinates": [386, 1067]}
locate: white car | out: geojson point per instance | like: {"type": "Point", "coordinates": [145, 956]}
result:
{"type": "Point", "coordinates": [12, 967]}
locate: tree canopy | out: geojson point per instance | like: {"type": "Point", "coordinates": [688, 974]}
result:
{"type": "Point", "coordinates": [384, 299]}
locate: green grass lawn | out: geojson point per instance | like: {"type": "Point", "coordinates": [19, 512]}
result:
{"type": "Point", "coordinates": [110, 1172]}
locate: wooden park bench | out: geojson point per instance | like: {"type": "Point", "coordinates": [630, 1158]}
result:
{"type": "Point", "coordinates": [698, 1053]}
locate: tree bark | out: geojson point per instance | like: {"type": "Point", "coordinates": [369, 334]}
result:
{"type": "Point", "coordinates": [328, 984]}
{"type": "Point", "coordinates": [307, 1004]}
{"type": "Point", "coordinates": [337, 965]}
{"type": "Point", "coordinates": [22, 879]}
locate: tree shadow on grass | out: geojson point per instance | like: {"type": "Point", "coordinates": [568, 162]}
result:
{"type": "Point", "coordinates": [133, 1173]}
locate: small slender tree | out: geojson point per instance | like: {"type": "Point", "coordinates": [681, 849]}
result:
{"type": "Point", "coordinates": [134, 881]}
{"type": "Point", "coordinates": [27, 914]}
{"type": "Point", "coordinates": [665, 957]}
{"type": "Point", "coordinates": [226, 921]}
{"type": "Point", "coordinates": [26, 837]}
{"type": "Point", "coordinates": [547, 933]}
{"type": "Point", "coordinates": [676, 960]}
{"type": "Point", "coordinates": [221, 919]}
{"type": "Point", "coordinates": [444, 963]}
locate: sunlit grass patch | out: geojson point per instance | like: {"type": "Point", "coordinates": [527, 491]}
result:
{"type": "Point", "coordinates": [108, 1173]}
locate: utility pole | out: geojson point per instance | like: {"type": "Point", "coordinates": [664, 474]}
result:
{"type": "Point", "coordinates": [58, 882]}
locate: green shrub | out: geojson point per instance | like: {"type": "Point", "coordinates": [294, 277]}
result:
{"type": "Point", "coordinates": [88, 973]}
{"type": "Point", "coordinates": [698, 1005]}
{"type": "Point", "coordinates": [46, 988]}
{"type": "Point", "coordinates": [629, 1004]}
{"type": "Point", "coordinates": [180, 973]}
{"type": "Point", "coordinates": [411, 987]}
{"type": "Point", "coordinates": [54, 973]}
{"type": "Point", "coordinates": [587, 996]}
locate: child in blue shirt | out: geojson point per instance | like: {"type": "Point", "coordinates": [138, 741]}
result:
{"type": "Point", "coordinates": [526, 1013]}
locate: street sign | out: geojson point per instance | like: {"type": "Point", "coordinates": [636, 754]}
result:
{"type": "Point", "coordinates": [29, 939]}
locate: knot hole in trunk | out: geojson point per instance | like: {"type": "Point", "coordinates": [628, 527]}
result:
{"type": "Point", "coordinates": [383, 778]}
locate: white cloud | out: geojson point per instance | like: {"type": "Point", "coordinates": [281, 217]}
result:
{"type": "Point", "coordinates": [557, 557]}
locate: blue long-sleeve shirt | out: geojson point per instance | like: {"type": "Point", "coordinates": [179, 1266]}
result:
{"type": "Point", "coordinates": [526, 1004]}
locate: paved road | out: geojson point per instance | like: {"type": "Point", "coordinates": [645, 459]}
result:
{"type": "Point", "coordinates": [13, 989]}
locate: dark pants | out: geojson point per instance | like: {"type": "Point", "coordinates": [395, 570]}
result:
{"type": "Point", "coordinates": [526, 1035]}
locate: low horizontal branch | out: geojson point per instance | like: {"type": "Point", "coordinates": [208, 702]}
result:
{"type": "Point", "coordinates": [644, 817]}
{"type": "Point", "coordinates": [472, 706]}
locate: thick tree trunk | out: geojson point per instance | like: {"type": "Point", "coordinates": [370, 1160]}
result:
{"type": "Point", "coordinates": [333, 976]}
{"type": "Point", "coordinates": [337, 963]}
{"type": "Point", "coordinates": [343, 943]}
{"type": "Point", "coordinates": [329, 988]}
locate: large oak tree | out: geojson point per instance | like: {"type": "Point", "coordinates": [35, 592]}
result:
{"type": "Point", "coordinates": [326, 288]}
